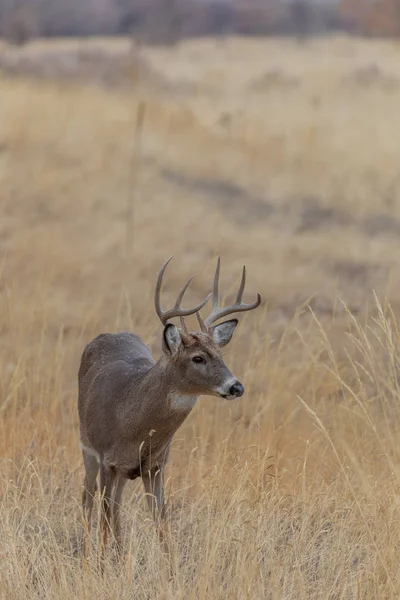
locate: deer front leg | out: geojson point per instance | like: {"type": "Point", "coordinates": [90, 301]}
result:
{"type": "Point", "coordinates": [119, 488]}
{"type": "Point", "coordinates": [89, 489]}
{"type": "Point", "coordinates": [154, 486]}
{"type": "Point", "coordinates": [153, 481]}
{"type": "Point", "coordinates": [107, 478]}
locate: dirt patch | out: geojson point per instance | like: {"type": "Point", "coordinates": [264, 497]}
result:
{"type": "Point", "coordinates": [314, 216]}
{"type": "Point", "coordinates": [382, 224]}
{"type": "Point", "coordinates": [301, 215]}
{"type": "Point", "coordinates": [372, 75]}
{"type": "Point", "coordinates": [235, 201]}
{"type": "Point", "coordinates": [274, 79]}
{"type": "Point", "coordinates": [359, 273]}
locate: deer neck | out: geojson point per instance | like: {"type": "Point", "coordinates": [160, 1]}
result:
{"type": "Point", "coordinates": [182, 402]}
{"type": "Point", "coordinates": [160, 392]}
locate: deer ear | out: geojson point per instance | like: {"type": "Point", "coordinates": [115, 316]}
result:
{"type": "Point", "coordinates": [171, 339]}
{"type": "Point", "coordinates": [222, 333]}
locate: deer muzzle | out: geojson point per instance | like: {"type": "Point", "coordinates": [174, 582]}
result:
{"type": "Point", "coordinates": [233, 389]}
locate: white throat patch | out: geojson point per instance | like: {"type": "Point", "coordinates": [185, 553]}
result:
{"type": "Point", "coordinates": [183, 402]}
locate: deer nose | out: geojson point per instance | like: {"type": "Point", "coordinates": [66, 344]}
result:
{"type": "Point", "coordinates": [236, 389]}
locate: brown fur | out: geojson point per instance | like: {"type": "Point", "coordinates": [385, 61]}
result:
{"type": "Point", "coordinates": [131, 406]}
{"type": "Point", "coordinates": [126, 401]}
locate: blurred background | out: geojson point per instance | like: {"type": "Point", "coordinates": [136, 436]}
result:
{"type": "Point", "coordinates": [168, 21]}
{"type": "Point", "coordinates": [263, 131]}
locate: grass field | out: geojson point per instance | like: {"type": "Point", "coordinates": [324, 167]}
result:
{"type": "Point", "coordinates": [279, 155]}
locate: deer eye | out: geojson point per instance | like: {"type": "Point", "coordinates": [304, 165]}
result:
{"type": "Point", "coordinates": [198, 359]}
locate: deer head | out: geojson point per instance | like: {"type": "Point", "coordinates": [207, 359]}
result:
{"type": "Point", "coordinates": [193, 359]}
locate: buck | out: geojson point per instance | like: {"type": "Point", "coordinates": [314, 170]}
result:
{"type": "Point", "coordinates": [130, 406]}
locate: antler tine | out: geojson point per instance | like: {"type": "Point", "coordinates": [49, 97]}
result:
{"type": "Point", "coordinates": [215, 291]}
{"type": "Point", "coordinates": [182, 293]}
{"type": "Point", "coordinates": [238, 306]}
{"type": "Point", "coordinates": [203, 326]}
{"type": "Point", "coordinates": [157, 292]}
{"type": "Point", "coordinates": [177, 310]}
{"type": "Point", "coordinates": [241, 287]}
{"type": "Point", "coordinates": [254, 304]}
{"type": "Point", "coordinates": [183, 325]}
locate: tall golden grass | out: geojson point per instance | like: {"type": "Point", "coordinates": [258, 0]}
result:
{"type": "Point", "coordinates": [269, 153]}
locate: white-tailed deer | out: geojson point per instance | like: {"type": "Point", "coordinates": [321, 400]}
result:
{"type": "Point", "coordinates": [130, 406]}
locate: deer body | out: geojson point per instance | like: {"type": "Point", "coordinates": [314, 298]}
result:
{"type": "Point", "coordinates": [130, 405]}
{"type": "Point", "coordinates": [134, 394]}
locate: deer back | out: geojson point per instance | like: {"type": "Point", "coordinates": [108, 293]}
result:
{"type": "Point", "coordinates": [112, 366]}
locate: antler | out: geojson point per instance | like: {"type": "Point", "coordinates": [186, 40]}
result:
{"type": "Point", "coordinates": [238, 306]}
{"type": "Point", "coordinates": [176, 310]}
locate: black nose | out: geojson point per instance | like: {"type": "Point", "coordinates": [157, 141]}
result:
{"type": "Point", "coordinates": [236, 390]}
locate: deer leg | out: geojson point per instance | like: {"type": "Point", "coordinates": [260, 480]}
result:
{"type": "Point", "coordinates": [107, 477]}
{"type": "Point", "coordinates": [153, 481]}
{"type": "Point", "coordinates": [119, 488]}
{"type": "Point", "coordinates": [89, 489]}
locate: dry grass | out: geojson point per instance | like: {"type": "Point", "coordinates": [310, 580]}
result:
{"type": "Point", "coordinates": [266, 152]}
